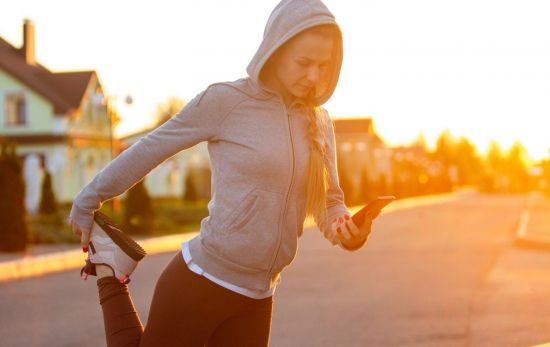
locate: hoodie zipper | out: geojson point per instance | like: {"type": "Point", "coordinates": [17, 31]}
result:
{"type": "Point", "coordinates": [287, 116]}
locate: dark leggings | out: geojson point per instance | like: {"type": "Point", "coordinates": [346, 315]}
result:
{"type": "Point", "coordinates": [186, 310]}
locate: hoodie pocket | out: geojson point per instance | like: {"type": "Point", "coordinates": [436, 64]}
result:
{"type": "Point", "coordinates": [250, 236]}
{"type": "Point", "coordinates": [243, 213]}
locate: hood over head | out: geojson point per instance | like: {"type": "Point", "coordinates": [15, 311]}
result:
{"type": "Point", "coordinates": [288, 19]}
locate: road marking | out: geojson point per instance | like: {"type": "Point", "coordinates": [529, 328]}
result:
{"type": "Point", "coordinates": [522, 226]}
{"type": "Point", "coordinates": [523, 237]}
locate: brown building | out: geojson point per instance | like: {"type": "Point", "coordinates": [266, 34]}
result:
{"type": "Point", "coordinates": [363, 158]}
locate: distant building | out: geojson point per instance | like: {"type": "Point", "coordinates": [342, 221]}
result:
{"type": "Point", "coordinates": [416, 172]}
{"type": "Point", "coordinates": [363, 158]}
{"type": "Point", "coordinates": [57, 119]}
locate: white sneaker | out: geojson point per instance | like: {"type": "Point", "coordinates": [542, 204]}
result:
{"type": "Point", "coordinates": [110, 246]}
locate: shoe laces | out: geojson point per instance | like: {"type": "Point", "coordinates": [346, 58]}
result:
{"type": "Point", "coordinates": [87, 269]}
{"type": "Point", "coordinates": [90, 269]}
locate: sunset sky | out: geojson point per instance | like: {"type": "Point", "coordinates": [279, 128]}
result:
{"type": "Point", "coordinates": [480, 68]}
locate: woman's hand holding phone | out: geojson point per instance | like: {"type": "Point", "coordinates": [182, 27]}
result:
{"type": "Point", "coordinates": [351, 236]}
{"type": "Point", "coordinates": [354, 231]}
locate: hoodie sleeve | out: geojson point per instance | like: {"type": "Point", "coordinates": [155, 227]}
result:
{"type": "Point", "coordinates": [198, 121]}
{"type": "Point", "coordinates": [335, 196]}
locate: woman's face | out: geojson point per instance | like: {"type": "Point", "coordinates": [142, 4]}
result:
{"type": "Point", "coordinates": [302, 64]}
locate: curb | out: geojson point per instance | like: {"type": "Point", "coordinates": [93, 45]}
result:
{"type": "Point", "coordinates": [51, 263]}
{"type": "Point", "coordinates": [523, 238]}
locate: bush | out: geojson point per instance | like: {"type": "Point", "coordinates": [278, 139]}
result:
{"type": "Point", "coordinates": [190, 193]}
{"type": "Point", "coordinates": [47, 202]}
{"type": "Point", "coordinates": [14, 232]}
{"type": "Point", "coordinates": [138, 212]}
{"type": "Point", "coordinates": [52, 229]}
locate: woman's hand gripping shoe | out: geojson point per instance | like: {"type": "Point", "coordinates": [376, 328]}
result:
{"type": "Point", "coordinates": [111, 247]}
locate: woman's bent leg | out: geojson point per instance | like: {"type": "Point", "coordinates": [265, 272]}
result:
{"type": "Point", "coordinates": [122, 324]}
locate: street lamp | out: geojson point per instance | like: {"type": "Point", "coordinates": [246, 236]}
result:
{"type": "Point", "coordinates": [112, 113]}
{"type": "Point", "coordinates": [110, 104]}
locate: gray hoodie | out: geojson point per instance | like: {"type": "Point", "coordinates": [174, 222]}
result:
{"type": "Point", "coordinates": [259, 151]}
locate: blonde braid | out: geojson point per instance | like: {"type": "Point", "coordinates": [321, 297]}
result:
{"type": "Point", "coordinates": [318, 175]}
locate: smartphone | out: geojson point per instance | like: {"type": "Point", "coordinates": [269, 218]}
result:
{"type": "Point", "coordinates": [372, 208]}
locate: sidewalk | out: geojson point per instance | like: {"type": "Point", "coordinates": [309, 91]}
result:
{"type": "Point", "coordinates": [45, 259]}
{"type": "Point", "coordinates": [514, 295]}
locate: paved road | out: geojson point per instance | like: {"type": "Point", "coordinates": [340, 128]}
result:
{"type": "Point", "coordinates": [443, 275]}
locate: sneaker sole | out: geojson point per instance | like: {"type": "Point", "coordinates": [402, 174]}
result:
{"type": "Point", "coordinates": [126, 243]}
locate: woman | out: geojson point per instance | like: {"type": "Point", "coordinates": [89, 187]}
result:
{"type": "Point", "coordinates": [273, 163]}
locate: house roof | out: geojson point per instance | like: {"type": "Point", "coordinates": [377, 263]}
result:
{"type": "Point", "coordinates": [65, 90]}
{"type": "Point", "coordinates": [352, 125]}
{"type": "Point", "coordinates": [355, 126]}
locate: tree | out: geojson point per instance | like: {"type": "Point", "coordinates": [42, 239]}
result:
{"type": "Point", "coordinates": [493, 179]}
{"type": "Point", "coordinates": [445, 148]}
{"type": "Point", "coordinates": [495, 158]}
{"type": "Point", "coordinates": [168, 108]}
{"type": "Point", "coordinates": [468, 162]}
{"type": "Point", "coordinates": [14, 231]}
{"type": "Point", "coordinates": [190, 194]}
{"type": "Point", "coordinates": [420, 141]}
{"type": "Point", "coordinates": [516, 168]}
{"type": "Point", "coordinates": [138, 212]}
{"type": "Point", "coordinates": [47, 202]}
{"type": "Point", "coordinates": [545, 165]}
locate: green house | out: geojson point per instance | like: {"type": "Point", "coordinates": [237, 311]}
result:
{"type": "Point", "coordinates": [58, 120]}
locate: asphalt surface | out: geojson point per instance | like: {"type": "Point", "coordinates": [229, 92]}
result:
{"type": "Point", "coordinates": [447, 274]}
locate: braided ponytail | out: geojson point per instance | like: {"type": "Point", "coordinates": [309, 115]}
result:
{"type": "Point", "coordinates": [318, 178]}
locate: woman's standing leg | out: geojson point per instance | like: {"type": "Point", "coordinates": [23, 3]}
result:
{"type": "Point", "coordinates": [187, 309]}
{"type": "Point", "coordinates": [182, 311]}
{"type": "Point", "coordinates": [250, 327]}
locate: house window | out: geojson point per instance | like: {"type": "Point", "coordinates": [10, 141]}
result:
{"type": "Point", "coordinates": [346, 146]}
{"type": "Point", "coordinates": [16, 109]}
